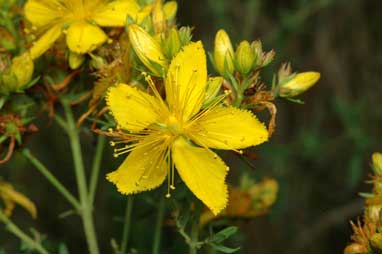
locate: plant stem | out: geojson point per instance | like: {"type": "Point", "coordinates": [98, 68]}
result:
{"type": "Point", "coordinates": [158, 226]}
{"type": "Point", "coordinates": [52, 179]}
{"type": "Point", "coordinates": [15, 230]}
{"type": "Point", "coordinates": [195, 229]}
{"type": "Point", "coordinates": [126, 225]}
{"type": "Point", "coordinates": [96, 167]}
{"type": "Point", "coordinates": [86, 206]}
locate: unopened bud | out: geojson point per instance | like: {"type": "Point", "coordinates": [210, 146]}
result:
{"type": "Point", "coordinates": [19, 74]}
{"type": "Point", "coordinates": [244, 57]}
{"type": "Point", "coordinates": [223, 54]}
{"type": "Point", "coordinates": [158, 16]}
{"type": "Point", "coordinates": [376, 159]}
{"type": "Point", "coordinates": [299, 84]}
{"type": "Point", "coordinates": [268, 58]}
{"type": "Point", "coordinates": [172, 43]}
{"type": "Point", "coordinates": [257, 48]}
{"type": "Point", "coordinates": [147, 49]}
{"type": "Point", "coordinates": [170, 8]}
{"type": "Point", "coordinates": [185, 35]}
{"type": "Point", "coordinates": [376, 243]}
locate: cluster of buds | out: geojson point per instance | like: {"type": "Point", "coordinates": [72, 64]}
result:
{"type": "Point", "coordinates": [247, 58]}
{"type": "Point", "coordinates": [367, 236]}
{"type": "Point", "coordinates": [156, 51]}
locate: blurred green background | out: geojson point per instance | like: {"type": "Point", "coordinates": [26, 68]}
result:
{"type": "Point", "coordinates": [320, 152]}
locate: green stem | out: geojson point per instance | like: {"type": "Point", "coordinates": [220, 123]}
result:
{"type": "Point", "coordinates": [96, 167]}
{"type": "Point", "coordinates": [52, 179]}
{"type": "Point", "coordinates": [15, 230]}
{"type": "Point", "coordinates": [194, 238]}
{"type": "Point", "coordinates": [195, 230]}
{"type": "Point", "coordinates": [158, 226]}
{"type": "Point", "coordinates": [86, 206]}
{"type": "Point", "coordinates": [126, 226]}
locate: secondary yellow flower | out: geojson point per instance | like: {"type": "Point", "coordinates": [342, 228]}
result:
{"type": "Point", "coordinates": [80, 20]}
{"type": "Point", "coordinates": [162, 135]}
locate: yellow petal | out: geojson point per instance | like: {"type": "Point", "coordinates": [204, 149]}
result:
{"type": "Point", "coordinates": [203, 172]}
{"type": "Point", "coordinates": [8, 193]}
{"type": "Point", "coordinates": [75, 60]}
{"type": "Point", "coordinates": [45, 42]}
{"type": "Point", "coordinates": [132, 109]}
{"type": "Point", "coordinates": [145, 168]}
{"type": "Point", "coordinates": [228, 128]}
{"type": "Point", "coordinates": [42, 12]}
{"type": "Point", "coordinates": [186, 81]}
{"type": "Point", "coordinates": [83, 37]}
{"type": "Point", "coordinates": [115, 13]}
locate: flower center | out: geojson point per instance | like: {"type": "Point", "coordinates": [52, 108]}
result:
{"type": "Point", "coordinates": [174, 126]}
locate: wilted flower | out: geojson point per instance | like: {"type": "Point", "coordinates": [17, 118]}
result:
{"type": "Point", "coordinates": [176, 132]}
{"type": "Point", "coordinates": [11, 197]}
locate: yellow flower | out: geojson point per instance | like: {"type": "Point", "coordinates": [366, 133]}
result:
{"type": "Point", "coordinates": [80, 20]}
{"type": "Point", "coordinates": [177, 132]}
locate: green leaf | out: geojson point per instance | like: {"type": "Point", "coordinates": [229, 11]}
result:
{"type": "Point", "coordinates": [224, 249]}
{"type": "Point", "coordinates": [223, 234]}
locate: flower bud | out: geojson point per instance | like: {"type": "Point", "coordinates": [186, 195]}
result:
{"type": "Point", "coordinates": [257, 48]}
{"type": "Point", "coordinates": [268, 58]}
{"type": "Point", "coordinates": [355, 248]}
{"type": "Point", "coordinates": [185, 35]}
{"type": "Point", "coordinates": [376, 243]}
{"type": "Point", "coordinates": [18, 76]}
{"type": "Point", "coordinates": [223, 54]}
{"type": "Point", "coordinates": [147, 49]}
{"type": "Point", "coordinates": [170, 8]}
{"type": "Point", "coordinates": [171, 44]}
{"type": "Point", "coordinates": [244, 58]}
{"type": "Point", "coordinates": [377, 163]}
{"type": "Point", "coordinates": [158, 16]}
{"type": "Point", "coordinates": [299, 84]}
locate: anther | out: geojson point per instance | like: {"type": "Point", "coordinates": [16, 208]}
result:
{"type": "Point", "coordinates": [172, 187]}
{"type": "Point", "coordinates": [168, 195]}
{"type": "Point", "coordinates": [112, 143]}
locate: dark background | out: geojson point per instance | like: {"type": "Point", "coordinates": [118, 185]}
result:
{"type": "Point", "coordinates": [319, 154]}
